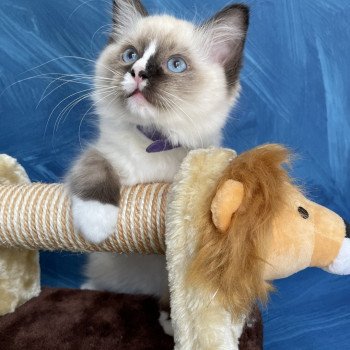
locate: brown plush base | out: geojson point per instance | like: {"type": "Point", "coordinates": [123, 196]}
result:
{"type": "Point", "coordinates": [80, 319]}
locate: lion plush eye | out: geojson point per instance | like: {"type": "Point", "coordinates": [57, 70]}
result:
{"type": "Point", "coordinates": [303, 212]}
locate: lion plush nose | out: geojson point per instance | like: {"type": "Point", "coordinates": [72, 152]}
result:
{"type": "Point", "coordinates": [341, 264]}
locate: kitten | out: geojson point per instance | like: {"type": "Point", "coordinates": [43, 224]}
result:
{"type": "Point", "coordinates": [163, 86]}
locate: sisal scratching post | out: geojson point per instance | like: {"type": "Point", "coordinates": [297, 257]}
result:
{"type": "Point", "coordinates": [38, 216]}
{"type": "Point", "coordinates": [19, 268]}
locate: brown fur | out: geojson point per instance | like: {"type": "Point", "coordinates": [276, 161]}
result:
{"type": "Point", "coordinates": [93, 178]}
{"type": "Point", "coordinates": [232, 264]}
{"type": "Point", "coordinates": [68, 319]}
{"type": "Point", "coordinates": [233, 64]}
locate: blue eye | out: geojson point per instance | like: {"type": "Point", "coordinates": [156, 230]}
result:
{"type": "Point", "coordinates": [177, 65]}
{"type": "Point", "coordinates": [130, 56]}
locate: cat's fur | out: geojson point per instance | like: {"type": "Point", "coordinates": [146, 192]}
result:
{"type": "Point", "coordinates": [188, 108]}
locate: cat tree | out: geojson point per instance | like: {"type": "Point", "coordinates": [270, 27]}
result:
{"type": "Point", "coordinates": [37, 217]}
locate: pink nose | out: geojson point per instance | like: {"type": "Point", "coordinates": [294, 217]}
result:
{"type": "Point", "coordinates": [138, 74]}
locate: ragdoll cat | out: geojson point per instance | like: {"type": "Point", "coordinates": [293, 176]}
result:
{"type": "Point", "coordinates": [163, 86]}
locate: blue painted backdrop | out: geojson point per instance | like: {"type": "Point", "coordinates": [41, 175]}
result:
{"type": "Point", "coordinates": [296, 90]}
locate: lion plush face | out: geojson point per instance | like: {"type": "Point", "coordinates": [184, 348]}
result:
{"type": "Point", "coordinates": [306, 234]}
{"type": "Point", "coordinates": [262, 227]}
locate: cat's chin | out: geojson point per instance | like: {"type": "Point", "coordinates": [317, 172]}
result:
{"type": "Point", "coordinates": [138, 97]}
{"type": "Point", "coordinates": [139, 106]}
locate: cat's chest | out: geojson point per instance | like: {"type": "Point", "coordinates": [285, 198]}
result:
{"type": "Point", "coordinates": [134, 165]}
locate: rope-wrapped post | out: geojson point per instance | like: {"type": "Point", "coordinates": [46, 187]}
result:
{"type": "Point", "coordinates": [38, 217]}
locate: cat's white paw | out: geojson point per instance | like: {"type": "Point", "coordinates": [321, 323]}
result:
{"type": "Point", "coordinates": [94, 220]}
{"type": "Point", "coordinates": [165, 322]}
{"type": "Point", "coordinates": [88, 286]}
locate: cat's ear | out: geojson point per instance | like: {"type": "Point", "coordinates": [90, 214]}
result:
{"type": "Point", "coordinates": [224, 37]}
{"type": "Point", "coordinates": [126, 13]}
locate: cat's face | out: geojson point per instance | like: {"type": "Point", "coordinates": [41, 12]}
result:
{"type": "Point", "coordinates": [169, 74]}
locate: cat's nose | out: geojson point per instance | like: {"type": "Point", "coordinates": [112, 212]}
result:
{"type": "Point", "coordinates": [139, 73]}
{"type": "Point", "coordinates": [143, 74]}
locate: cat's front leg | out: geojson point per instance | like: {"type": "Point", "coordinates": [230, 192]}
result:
{"type": "Point", "coordinates": [164, 314]}
{"type": "Point", "coordinates": [95, 191]}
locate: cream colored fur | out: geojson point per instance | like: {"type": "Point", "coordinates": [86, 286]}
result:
{"type": "Point", "coordinates": [19, 269]}
{"type": "Point", "coordinates": [199, 321]}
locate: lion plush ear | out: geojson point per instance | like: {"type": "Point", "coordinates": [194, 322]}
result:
{"type": "Point", "coordinates": [227, 200]}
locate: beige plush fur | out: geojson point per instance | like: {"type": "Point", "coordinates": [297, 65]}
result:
{"type": "Point", "coordinates": [223, 206]}
{"type": "Point", "coordinates": [233, 262]}
{"type": "Point", "coordinates": [199, 319]}
{"type": "Point", "coordinates": [11, 172]}
{"type": "Point", "coordinates": [19, 269]}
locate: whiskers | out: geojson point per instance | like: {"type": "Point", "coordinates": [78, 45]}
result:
{"type": "Point", "coordinates": [84, 87]}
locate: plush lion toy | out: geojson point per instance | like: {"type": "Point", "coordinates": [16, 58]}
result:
{"type": "Point", "coordinates": [265, 229]}
{"type": "Point", "coordinates": [233, 225]}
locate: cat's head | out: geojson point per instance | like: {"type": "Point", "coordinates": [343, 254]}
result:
{"type": "Point", "coordinates": [170, 74]}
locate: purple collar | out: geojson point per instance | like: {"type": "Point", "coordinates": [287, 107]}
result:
{"type": "Point", "coordinates": [160, 142]}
